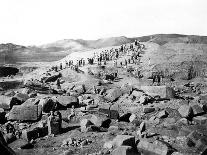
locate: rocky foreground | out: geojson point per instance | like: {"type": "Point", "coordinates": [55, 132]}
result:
{"type": "Point", "coordinates": [91, 110]}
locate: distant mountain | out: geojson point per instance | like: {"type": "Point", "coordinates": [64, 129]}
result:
{"type": "Point", "coordinates": [11, 53]}
{"type": "Point", "coordinates": [80, 44]}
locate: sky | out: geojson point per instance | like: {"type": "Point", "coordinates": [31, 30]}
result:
{"type": "Point", "coordinates": [36, 22]}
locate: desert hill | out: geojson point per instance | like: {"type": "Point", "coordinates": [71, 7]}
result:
{"type": "Point", "coordinates": [12, 53]}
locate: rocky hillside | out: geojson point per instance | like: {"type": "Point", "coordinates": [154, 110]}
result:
{"type": "Point", "coordinates": [11, 53]}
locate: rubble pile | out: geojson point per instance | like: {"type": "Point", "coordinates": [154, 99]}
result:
{"type": "Point", "coordinates": [104, 113]}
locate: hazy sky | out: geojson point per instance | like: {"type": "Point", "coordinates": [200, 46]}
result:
{"type": "Point", "coordinates": [34, 22]}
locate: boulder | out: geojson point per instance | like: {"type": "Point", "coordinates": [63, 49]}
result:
{"type": "Point", "coordinates": [137, 94]}
{"type": "Point", "coordinates": [142, 127]}
{"type": "Point", "coordinates": [5, 149]}
{"type": "Point", "coordinates": [32, 95]}
{"type": "Point", "coordinates": [68, 101]}
{"type": "Point", "coordinates": [34, 133]}
{"type": "Point", "coordinates": [100, 121]}
{"type": "Point", "coordinates": [26, 91]}
{"type": "Point", "coordinates": [52, 78]}
{"type": "Point", "coordinates": [85, 124]}
{"type": "Point", "coordinates": [21, 97]}
{"type": "Point", "coordinates": [125, 117]}
{"type": "Point", "coordinates": [201, 147]}
{"type": "Point", "coordinates": [144, 99]}
{"type": "Point", "coordinates": [88, 101]}
{"type": "Point", "coordinates": [127, 89]}
{"type": "Point", "coordinates": [105, 109]}
{"type": "Point", "coordinates": [108, 145]}
{"type": "Point", "coordinates": [200, 120]}
{"type": "Point", "coordinates": [25, 113]}
{"type": "Point", "coordinates": [79, 89]}
{"type": "Point", "coordinates": [148, 109]}
{"type": "Point", "coordinates": [193, 137]}
{"type": "Point", "coordinates": [162, 91]}
{"type": "Point", "coordinates": [113, 94]}
{"type": "Point", "coordinates": [197, 110]}
{"type": "Point", "coordinates": [114, 111]}
{"type": "Point", "coordinates": [162, 114]}
{"type": "Point", "coordinates": [132, 118]}
{"type": "Point", "coordinates": [185, 111]}
{"type": "Point", "coordinates": [126, 140]}
{"type": "Point", "coordinates": [10, 93]}
{"type": "Point", "coordinates": [31, 101]}
{"type": "Point", "coordinates": [9, 138]}
{"type": "Point", "coordinates": [27, 146]}
{"type": "Point", "coordinates": [156, 148]}
{"type": "Point", "coordinates": [7, 102]}
{"type": "Point", "coordinates": [124, 150]}
{"type": "Point", "coordinates": [47, 104]}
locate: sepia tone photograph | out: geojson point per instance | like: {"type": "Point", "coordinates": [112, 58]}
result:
{"type": "Point", "coordinates": [103, 77]}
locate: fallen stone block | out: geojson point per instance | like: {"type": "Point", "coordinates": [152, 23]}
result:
{"type": "Point", "coordinates": [192, 138]}
{"type": "Point", "coordinates": [127, 89]}
{"type": "Point", "coordinates": [200, 120]}
{"type": "Point", "coordinates": [183, 121]}
{"type": "Point", "coordinates": [52, 78]}
{"type": "Point", "coordinates": [88, 101]}
{"type": "Point", "coordinates": [25, 113]}
{"type": "Point", "coordinates": [5, 149]}
{"type": "Point", "coordinates": [148, 109]}
{"type": "Point", "coordinates": [126, 140]}
{"type": "Point", "coordinates": [9, 138]}
{"type": "Point", "coordinates": [162, 114]}
{"type": "Point", "coordinates": [142, 127]}
{"type": "Point", "coordinates": [31, 101]}
{"type": "Point", "coordinates": [162, 91]}
{"type": "Point", "coordinates": [185, 111]}
{"type": "Point", "coordinates": [100, 121]}
{"type": "Point", "coordinates": [68, 101]}
{"type": "Point", "coordinates": [105, 109]}
{"type": "Point", "coordinates": [144, 99]}
{"type": "Point", "coordinates": [85, 124]}
{"type": "Point", "coordinates": [132, 118]}
{"type": "Point", "coordinates": [197, 110]}
{"type": "Point", "coordinates": [27, 146]}
{"type": "Point", "coordinates": [26, 91]}
{"type": "Point", "coordinates": [108, 145]}
{"type": "Point", "coordinates": [79, 89]}
{"type": "Point", "coordinates": [21, 97]}
{"type": "Point", "coordinates": [10, 93]}
{"type": "Point", "coordinates": [114, 112]}
{"type": "Point", "coordinates": [29, 134]}
{"type": "Point", "coordinates": [154, 120]}
{"type": "Point", "coordinates": [201, 147]}
{"type": "Point", "coordinates": [137, 94]}
{"type": "Point", "coordinates": [125, 117]}
{"type": "Point", "coordinates": [32, 95]}
{"type": "Point", "coordinates": [124, 150]}
{"type": "Point", "coordinates": [113, 94]}
{"type": "Point", "coordinates": [155, 148]}
{"type": "Point", "coordinates": [48, 105]}
{"type": "Point", "coordinates": [7, 102]}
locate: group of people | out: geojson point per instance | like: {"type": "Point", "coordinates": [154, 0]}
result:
{"type": "Point", "coordinates": [133, 51]}
{"type": "Point", "coordinates": [104, 56]}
